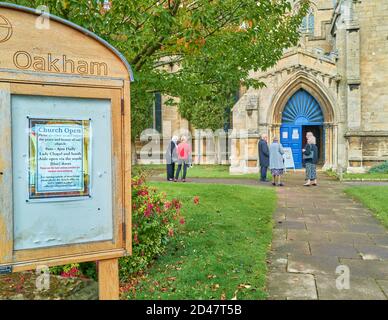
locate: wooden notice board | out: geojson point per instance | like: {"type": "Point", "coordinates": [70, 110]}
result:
{"type": "Point", "coordinates": [65, 170]}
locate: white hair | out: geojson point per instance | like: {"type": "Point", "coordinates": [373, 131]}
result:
{"type": "Point", "coordinates": [312, 140]}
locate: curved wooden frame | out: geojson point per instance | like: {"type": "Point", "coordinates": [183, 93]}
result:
{"type": "Point", "coordinates": [116, 88]}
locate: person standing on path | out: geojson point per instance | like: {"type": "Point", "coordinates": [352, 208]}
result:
{"type": "Point", "coordinates": [263, 157]}
{"type": "Point", "coordinates": [308, 135]}
{"type": "Point", "coordinates": [276, 161]}
{"type": "Point", "coordinates": [184, 158]}
{"type": "Point", "coordinates": [171, 157]}
{"type": "Point", "coordinates": [310, 157]}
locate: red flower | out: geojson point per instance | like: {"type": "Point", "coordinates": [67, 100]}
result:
{"type": "Point", "coordinates": [148, 210]}
{"type": "Point", "coordinates": [171, 232]}
{"type": "Point", "coordinates": [73, 272]}
{"type": "Point", "coordinates": [147, 213]}
{"type": "Point", "coordinates": [176, 203]}
{"type": "Point", "coordinates": [182, 221]}
{"type": "Point", "coordinates": [135, 238]}
{"type": "Point", "coordinates": [143, 192]}
{"type": "Point", "coordinates": [167, 205]}
{"type": "Point", "coordinates": [196, 200]}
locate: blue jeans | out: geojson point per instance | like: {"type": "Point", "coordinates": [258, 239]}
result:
{"type": "Point", "coordinates": [185, 165]}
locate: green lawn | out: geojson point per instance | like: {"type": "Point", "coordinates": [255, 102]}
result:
{"type": "Point", "coordinates": [221, 252]}
{"type": "Point", "coordinates": [359, 176]}
{"type": "Point", "coordinates": [373, 197]}
{"type": "Point", "coordinates": [365, 176]}
{"type": "Point", "coordinates": [200, 171]}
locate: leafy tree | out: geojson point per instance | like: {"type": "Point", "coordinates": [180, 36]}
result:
{"type": "Point", "coordinates": [213, 44]}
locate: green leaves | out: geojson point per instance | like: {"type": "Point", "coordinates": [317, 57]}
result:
{"type": "Point", "coordinates": [217, 44]}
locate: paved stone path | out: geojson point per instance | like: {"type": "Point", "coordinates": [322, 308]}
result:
{"type": "Point", "coordinates": [316, 230]}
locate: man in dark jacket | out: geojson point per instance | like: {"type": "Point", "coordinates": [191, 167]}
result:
{"type": "Point", "coordinates": [263, 157]}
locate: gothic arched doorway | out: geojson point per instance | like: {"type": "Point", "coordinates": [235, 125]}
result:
{"type": "Point", "coordinates": [301, 114]}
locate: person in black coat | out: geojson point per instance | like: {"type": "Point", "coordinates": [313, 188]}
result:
{"type": "Point", "coordinates": [171, 157]}
{"type": "Point", "coordinates": [263, 157]}
{"type": "Point", "coordinates": [310, 158]}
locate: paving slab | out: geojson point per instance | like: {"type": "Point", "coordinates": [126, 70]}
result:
{"type": "Point", "coordinates": [359, 289]}
{"type": "Point", "coordinates": [375, 269]}
{"type": "Point", "coordinates": [350, 238]}
{"type": "Point", "coordinates": [315, 231]}
{"type": "Point", "coordinates": [292, 286]}
{"type": "Point", "coordinates": [288, 247]}
{"type": "Point", "coordinates": [334, 227]}
{"type": "Point", "coordinates": [373, 252]}
{"type": "Point", "coordinates": [366, 228]}
{"type": "Point", "coordinates": [277, 262]}
{"type": "Point", "coordinates": [380, 239]}
{"type": "Point", "coordinates": [304, 235]}
{"type": "Point", "coordinates": [334, 250]}
{"type": "Point", "coordinates": [312, 264]}
{"type": "Point", "coordinates": [384, 286]}
{"type": "Point", "coordinates": [298, 225]}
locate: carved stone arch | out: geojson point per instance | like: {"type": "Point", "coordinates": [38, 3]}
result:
{"type": "Point", "coordinates": [302, 80]}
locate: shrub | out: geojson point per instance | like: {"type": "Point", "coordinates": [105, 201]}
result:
{"type": "Point", "coordinates": [154, 220]}
{"type": "Point", "coordinates": [380, 168]}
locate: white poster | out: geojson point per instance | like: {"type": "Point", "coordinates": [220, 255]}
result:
{"type": "Point", "coordinates": [288, 158]}
{"type": "Point", "coordinates": [58, 158]}
{"type": "Point", "coordinates": [295, 134]}
{"type": "Point", "coordinates": [285, 134]}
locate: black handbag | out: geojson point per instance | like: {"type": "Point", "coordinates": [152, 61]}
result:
{"type": "Point", "coordinates": [310, 156]}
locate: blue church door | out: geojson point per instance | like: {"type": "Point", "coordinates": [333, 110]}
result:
{"type": "Point", "coordinates": [301, 110]}
{"type": "Point", "coordinates": [291, 137]}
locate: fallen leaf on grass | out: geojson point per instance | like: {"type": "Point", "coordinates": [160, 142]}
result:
{"type": "Point", "coordinates": [211, 276]}
{"type": "Point", "coordinates": [244, 286]}
{"type": "Point", "coordinates": [235, 295]}
{"type": "Point", "coordinates": [215, 286]}
{"type": "Point", "coordinates": [171, 278]}
{"type": "Point", "coordinates": [223, 296]}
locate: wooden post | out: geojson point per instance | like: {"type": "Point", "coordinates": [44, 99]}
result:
{"type": "Point", "coordinates": [108, 279]}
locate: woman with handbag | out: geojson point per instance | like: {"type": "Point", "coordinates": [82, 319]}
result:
{"type": "Point", "coordinates": [276, 162]}
{"type": "Point", "coordinates": [310, 158]}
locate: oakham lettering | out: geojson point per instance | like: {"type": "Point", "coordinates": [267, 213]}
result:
{"type": "Point", "coordinates": [25, 61]}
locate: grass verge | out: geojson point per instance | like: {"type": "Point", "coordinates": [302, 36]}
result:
{"type": "Point", "coordinates": [365, 176]}
{"type": "Point", "coordinates": [200, 171]}
{"type": "Point", "coordinates": [221, 252]}
{"type": "Point", "coordinates": [373, 197]}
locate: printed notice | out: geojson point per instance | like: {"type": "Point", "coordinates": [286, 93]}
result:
{"type": "Point", "coordinates": [59, 158]}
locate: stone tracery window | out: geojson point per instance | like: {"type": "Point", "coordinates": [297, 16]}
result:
{"type": "Point", "coordinates": [308, 23]}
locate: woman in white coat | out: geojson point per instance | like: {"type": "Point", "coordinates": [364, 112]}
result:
{"type": "Point", "coordinates": [276, 162]}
